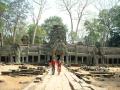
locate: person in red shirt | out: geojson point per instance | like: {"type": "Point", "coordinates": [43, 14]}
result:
{"type": "Point", "coordinates": [53, 66]}
{"type": "Point", "coordinates": [58, 62]}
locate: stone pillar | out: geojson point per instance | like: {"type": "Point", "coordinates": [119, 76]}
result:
{"type": "Point", "coordinates": [48, 57]}
{"type": "Point", "coordinates": [76, 60]}
{"type": "Point", "coordinates": [107, 60]}
{"type": "Point", "coordinates": [70, 59]}
{"type": "Point", "coordinates": [27, 59]}
{"type": "Point", "coordinates": [102, 58]}
{"type": "Point", "coordinates": [17, 56]}
{"type": "Point", "coordinates": [27, 54]}
{"type": "Point", "coordinates": [96, 59]}
{"type": "Point", "coordinates": [23, 61]}
{"type": "Point", "coordinates": [39, 53]}
{"type": "Point", "coordinates": [67, 59]}
{"type": "Point", "coordinates": [11, 59]}
{"type": "Point", "coordinates": [76, 51]}
{"type": "Point", "coordinates": [39, 58]}
{"type": "Point", "coordinates": [82, 59]}
{"type": "Point", "coordinates": [91, 61]}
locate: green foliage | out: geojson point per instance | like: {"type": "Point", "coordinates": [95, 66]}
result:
{"type": "Point", "coordinates": [15, 20]}
{"type": "Point", "coordinates": [115, 39]}
{"type": "Point", "coordinates": [94, 32]}
{"type": "Point", "coordinates": [105, 28]}
{"type": "Point", "coordinates": [3, 8]}
{"type": "Point", "coordinates": [74, 36]}
{"type": "Point", "coordinates": [40, 34]}
{"type": "Point", "coordinates": [57, 38]}
{"type": "Point", "coordinates": [115, 16]}
{"type": "Point", "coordinates": [50, 22]}
{"type": "Point", "coordinates": [20, 33]}
{"type": "Point", "coordinates": [115, 32]}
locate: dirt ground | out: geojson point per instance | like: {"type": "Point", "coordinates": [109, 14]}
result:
{"type": "Point", "coordinates": [13, 83]}
{"type": "Point", "coordinates": [112, 83]}
{"type": "Point", "coordinates": [19, 82]}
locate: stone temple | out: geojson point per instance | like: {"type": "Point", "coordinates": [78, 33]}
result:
{"type": "Point", "coordinates": [76, 55]}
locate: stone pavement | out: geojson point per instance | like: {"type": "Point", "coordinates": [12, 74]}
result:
{"type": "Point", "coordinates": [65, 81]}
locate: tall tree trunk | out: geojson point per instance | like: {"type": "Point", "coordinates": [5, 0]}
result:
{"type": "Point", "coordinates": [34, 33]}
{"type": "Point", "coordinates": [1, 37]}
{"type": "Point", "coordinates": [71, 20]}
{"type": "Point", "coordinates": [18, 56]}
{"type": "Point", "coordinates": [14, 30]}
{"type": "Point", "coordinates": [36, 25]}
{"type": "Point", "coordinates": [80, 15]}
{"type": "Point", "coordinates": [41, 4]}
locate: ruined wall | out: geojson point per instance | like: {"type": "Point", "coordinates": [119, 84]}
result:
{"type": "Point", "coordinates": [77, 54]}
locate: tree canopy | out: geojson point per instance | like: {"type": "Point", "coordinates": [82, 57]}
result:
{"type": "Point", "coordinates": [50, 22]}
{"type": "Point", "coordinates": [105, 28]}
{"type": "Point", "coordinates": [40, 34]}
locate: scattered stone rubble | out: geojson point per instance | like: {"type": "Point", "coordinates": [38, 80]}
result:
{"type": "Point", "coordinates": [94, 71]}
{"type": "Point", "coordinates": [25, 71]}
{"type": "Point", "coordinates": [97, 71]}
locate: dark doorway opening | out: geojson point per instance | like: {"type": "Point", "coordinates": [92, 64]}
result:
{"type": "Point", "coordinates": [110, 61]}
{"type": "Point", "coordinates": [115, 61]}
{"type": "Point", "coordinates": [3, 59]}
{"type": "Point", "coordinates": [84, 60]}
{"type": "Point", "coordinates": [30, 59]}
{"type": "Point", "coordinates": [35, 59]}
{"type": "Point", "coordinates": [79, 60]}
{"type": "Point", "coordinates": [99, 61]}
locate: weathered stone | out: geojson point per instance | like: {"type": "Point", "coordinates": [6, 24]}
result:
{"type": "Point", "coordinates": [1, 81]}
{"type": "Point", "coordinates": [5, 73]}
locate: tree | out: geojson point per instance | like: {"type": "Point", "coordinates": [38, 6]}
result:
{"type": "Point", "coordinates": [57, 43]}
{"type": "Point", "coordinates": [111, 21]}
{"type": "Point", "coordinates": [107, 26]}
{"type": "Point", "coordinates": [94, 30]}
{"type": "Point", "coordinates": [105, 4]}
{"type": "Point", "coordinates": [41, 4]}
{"type": "Point", "coordinates": [76, 11]}
{"type": "Point", "coordinates": [56, 38]}
{"type": "Point", "coordinates": [114, 41]}
{"type": "Point", "coordinates": [115, 32]}
{"type": "Point", "coordinates": [50, 22]}
{"type": "Point", "coordinates": [105, 21]}
{"type": "Point", "coordinates": [15, 18]}
{"type": "Point", "coordinates": [3, 8]}
{"type": "Point", "coordinates": [40, 34]}
{"type": "Point", "coordinates": [115, 17]}
{"type": "Point", "coordinates": [100, 27]}
{"type": "Point", "coordinates": [105, 18]}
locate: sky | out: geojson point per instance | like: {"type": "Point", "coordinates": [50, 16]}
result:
{"type": "Point", "coordinates": [53, 9]}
